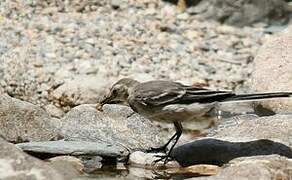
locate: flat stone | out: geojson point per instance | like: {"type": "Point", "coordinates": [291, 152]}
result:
{"type": "Point", "coordinates": [75, 148]}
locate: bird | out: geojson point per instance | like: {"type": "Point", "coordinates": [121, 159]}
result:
{"type": "Point", "coordinates": [173, 102]}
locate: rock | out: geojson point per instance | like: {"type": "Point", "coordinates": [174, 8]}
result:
{"type": "Point", "coordinates": [75, 148]}
{"type": "Point", "coordinates": [116, 124]}
{"type": "Point", "coordinates": [54, 111]}
{"type": "Point", "coordinates": [70, 167]}
{"type": "Point", "coordinates": [219, 152]}
{"type": "Point", "coordinates": [254, 168]}
{"type": "Point", "coordinates": [146, 160]}
{"type": "Point", "coordinates": [16, 165]}
{"type": "Point", "coordinates": [92, 163]}
{"type": "Point", "coordinates": [277, 128]}
{"type": "Point", "coordinates": [22, 121]}
{"type": "Point", "coordinates": [247, 137]}
{"type": "Point", "coordinates": [116, 4]}
{"type": "Point", "coordinates": [272, 72]}
{"type": "Point", "coordinates": [242, 13]}
{"type": "Point", "coordinates": [81, 90]}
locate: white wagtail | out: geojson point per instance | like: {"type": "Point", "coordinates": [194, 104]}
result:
{"type": "Point", "coordinates": [173, 102]}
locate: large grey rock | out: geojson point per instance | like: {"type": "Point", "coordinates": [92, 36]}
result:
{"type": "Point", "coordinates": [272, 71]}
{"type": "Point", "coordinates": [255, 168]}
{"type": "Point", "coordinates": [75, 148]}
{"type": "Point", "coordinates": [16, 165]}
{"type": "Point", "coordinates": [117, 124]}
{"type": "Point", "coordinates": [243, 13]}
{"type": "Point", "coordinates": [23, 121]}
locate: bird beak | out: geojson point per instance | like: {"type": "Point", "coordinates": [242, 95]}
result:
{"type": "Point", "coordinates": [106, 100]}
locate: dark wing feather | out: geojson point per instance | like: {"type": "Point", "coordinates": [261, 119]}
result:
{"type": "Point", "coordinates": [156, 93]}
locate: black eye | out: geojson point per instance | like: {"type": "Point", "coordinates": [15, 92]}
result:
{"type": "Point", "coordinates": [114, 92]}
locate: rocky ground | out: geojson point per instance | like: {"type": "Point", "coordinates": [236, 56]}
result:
{"type": "Point", "coordinates": [58, 58]}
{"type": "Point", "coordinates": [52, 55]}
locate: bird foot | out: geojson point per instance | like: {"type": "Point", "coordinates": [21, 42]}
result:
{"type": "Point", "coordinates": [156, 150]}
{"type": "Point", "coordinates": [164, 158]}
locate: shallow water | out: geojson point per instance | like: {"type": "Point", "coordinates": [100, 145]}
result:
{"type": "Point", "coordinates": [129, 172]}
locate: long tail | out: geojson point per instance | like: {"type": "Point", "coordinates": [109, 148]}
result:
{"type": "Point", "coordinates": [258, 96]}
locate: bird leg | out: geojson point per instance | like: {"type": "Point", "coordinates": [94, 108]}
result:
{"type": "Point", "coordinates": [166, 158]}
{"type": "Point", "coordinates": [162, 148]}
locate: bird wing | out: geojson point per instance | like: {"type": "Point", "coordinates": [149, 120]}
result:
{"type": "Point", "coordinates": [157, 93]}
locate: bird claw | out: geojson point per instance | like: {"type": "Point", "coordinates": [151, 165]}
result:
{"type": "Point", "coordinates": [156, 150]}
{"type": "Point", "coordinates": [164, 158]}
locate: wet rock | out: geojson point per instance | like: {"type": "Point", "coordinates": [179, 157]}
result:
{"type": "Point", "coordinates": [75, 148]}
{"type": "Point", "coordinates": [254, 168]}
{"type": "Point", "coordinates": [116, 124]}
{"type": "Point", "coordinates": [92, 163]}
{"type": "Point", "coordinates": [242, 13]}
{"type": "Point", "coordinates": [246, 137]}
{"type": "Point", "coordinates": [70, 167]}
{"type": "Point", "coordinates": [219, 152]}
{"type": "Point", "coordinates": [22, 121]}
{"type": "Point", "coordinates": [16, 165]}
{"type": "Point", "coordinates": [272, 71]}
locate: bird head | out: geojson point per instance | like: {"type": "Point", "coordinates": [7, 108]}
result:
{"type": "Point", "coordinates": [119, 92]}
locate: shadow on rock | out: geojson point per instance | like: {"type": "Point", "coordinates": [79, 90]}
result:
{"type": "Point", "coordinates": [219, 152]}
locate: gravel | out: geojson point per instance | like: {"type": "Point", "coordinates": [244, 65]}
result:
{"type": "Point", "coordinates": [45, 43]}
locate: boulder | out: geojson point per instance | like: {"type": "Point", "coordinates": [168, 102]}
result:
{"type": "Point", "coordinates": [116, 124]}
{"type": "Point", "coordinates": [22, 121]}
{"type": "Point", "coordinates": [272, 72]}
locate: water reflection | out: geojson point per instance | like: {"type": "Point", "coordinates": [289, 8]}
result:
{"type": "Point", "coordinates": [120, 171]}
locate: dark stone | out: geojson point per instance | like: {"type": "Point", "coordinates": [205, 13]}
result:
{"type": "Point", "coordinates": [218, 152]}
